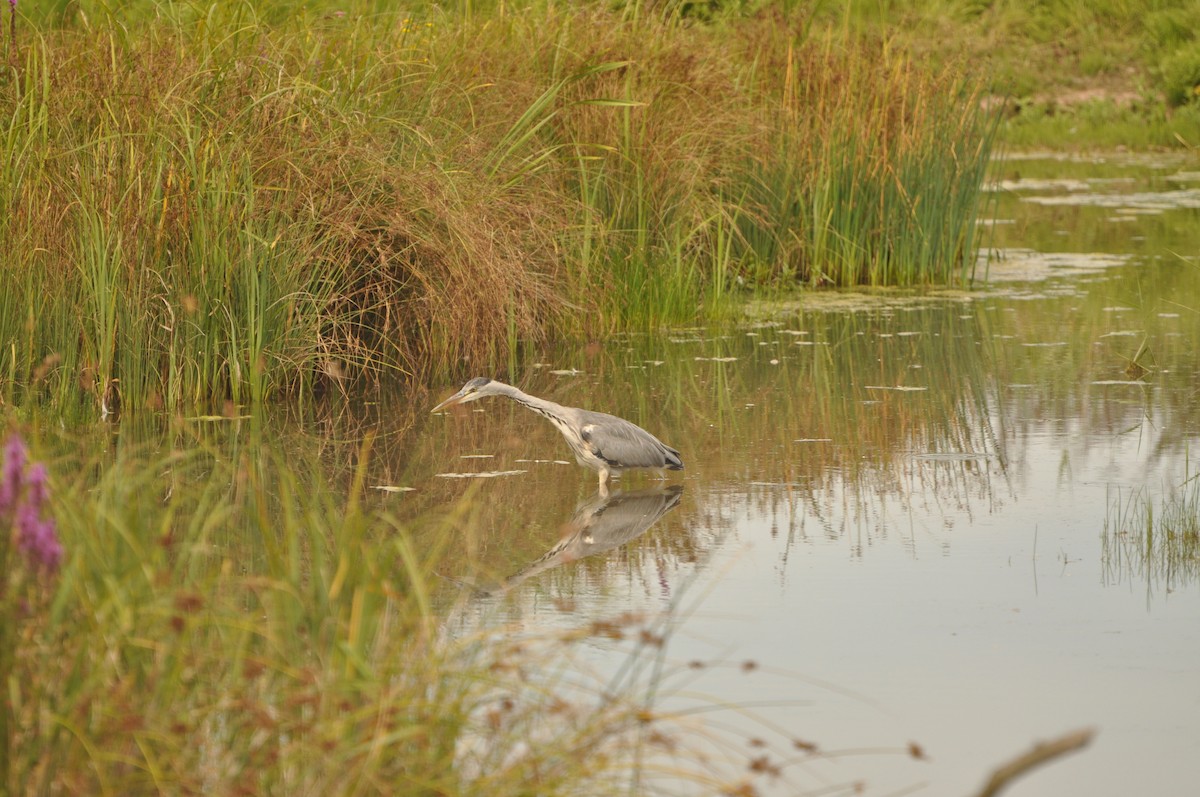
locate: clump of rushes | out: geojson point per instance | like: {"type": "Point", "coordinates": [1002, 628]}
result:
{"type": "Point", "coordinates": [1156, 542]}
{"type": "Point", "coordinates": [280, 205]}
{"type": "Point", "coordinates": [30, 553]}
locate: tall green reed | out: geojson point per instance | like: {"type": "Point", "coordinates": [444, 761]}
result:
{"type": "Point", "coordinates": [871, 172]}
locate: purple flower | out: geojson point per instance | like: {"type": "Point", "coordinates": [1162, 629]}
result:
{"type": "Point", "coordinates": [27, 521]}
{"type": "Point", "coordinates": [39, 540]}
{"type": "Point", "coordinates": [12, 473]}
{"type": "Point", "coordinates": [35, 484]}
{"type": "Point", "coordinates": [23, 496]}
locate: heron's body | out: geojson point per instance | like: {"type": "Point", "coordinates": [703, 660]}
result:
{"type": "Point", "coordinates": [602, 442]}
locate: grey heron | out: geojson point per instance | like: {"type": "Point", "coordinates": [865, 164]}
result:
{"type": "Point", "coordinates": [605, 443]}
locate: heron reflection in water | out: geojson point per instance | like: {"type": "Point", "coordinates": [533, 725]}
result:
{"type": "Point", "coordinates": [601, 523]}
{"type": "Point", "coordinates": [604, 443]}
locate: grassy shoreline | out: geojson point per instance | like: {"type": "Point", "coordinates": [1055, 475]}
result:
{"type": "Point", "coordinates": [221, 207]}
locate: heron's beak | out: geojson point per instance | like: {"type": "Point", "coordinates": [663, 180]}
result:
{"type": "Point", "coordinates": [450, 402]}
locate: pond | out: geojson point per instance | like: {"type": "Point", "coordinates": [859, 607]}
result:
{"type": "Point", "coordinates": [899, 536]}
{"type": "Point", "coordinates": [904, 547]}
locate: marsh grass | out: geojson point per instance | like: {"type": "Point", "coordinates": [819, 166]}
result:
{"type": "Point", "coordinates": [174, 653]}
{"type": "Point", "coordinates": [260, 201]}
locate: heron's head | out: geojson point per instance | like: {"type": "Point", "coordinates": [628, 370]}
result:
{"type": "Point", "coordinates": [476, 389]}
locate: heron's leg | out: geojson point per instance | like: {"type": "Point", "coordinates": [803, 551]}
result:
{"type": "Point", "coordinates": [604, 483]}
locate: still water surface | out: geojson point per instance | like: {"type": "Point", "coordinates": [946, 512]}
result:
{"type": "Point", "coordinates": [900, 521]}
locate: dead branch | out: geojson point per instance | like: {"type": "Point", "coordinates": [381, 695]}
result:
{"type": "Point", "coordinates": [1042, 752]}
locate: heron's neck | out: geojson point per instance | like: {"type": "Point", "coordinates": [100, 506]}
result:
{"type": "Point", "coordinates": [542, 407]}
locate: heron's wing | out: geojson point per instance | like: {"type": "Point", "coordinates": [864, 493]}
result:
{"type": "Point", "coordinates": [625, 445]}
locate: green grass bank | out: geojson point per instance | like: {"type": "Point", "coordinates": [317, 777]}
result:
{"type": "Point", "coordinates": [1074, 74]}
{"type": "Point", "coordinates": [212, 203]}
